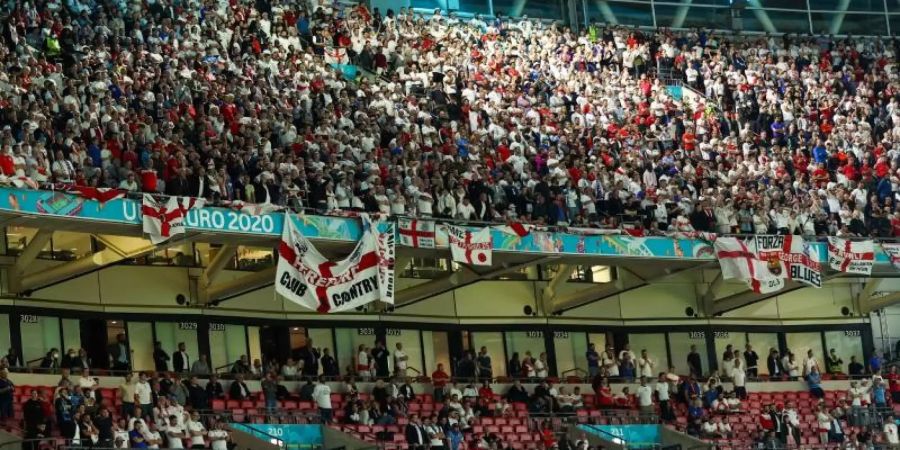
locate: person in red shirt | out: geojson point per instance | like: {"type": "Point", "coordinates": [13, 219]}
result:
{"type": "Point", "coordinates": [7, 164]}
{"type": "Point", "coordinates": [605, 397]}
{"type": "Point", "coordinates": [485, 391]}
{"type": "Point", "coordinates": [439, 379]}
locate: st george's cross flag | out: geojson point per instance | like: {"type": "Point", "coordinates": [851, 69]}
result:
{"type": "Point", "coordinates": [416, 233]}
{"type": "Point", "coordinates": [739, 259]}
{"type": "Point", "coordinates": [848, 256]}
{"type": "Point", "coordinates": [892, 250]}
{"type": "Point", "coordinates": [101, 195]}
{"type": "Point", "coordinates": [162, 220]}
{"type": "Point", "coordinates": [515, 228]}
{"type": "Point", "coordinates": [307, 278]}
{"type": "Point", "coordinates": [470, 247]}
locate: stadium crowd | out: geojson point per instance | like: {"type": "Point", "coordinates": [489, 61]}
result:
{"type": "Point", "coordinates": [478, 120]}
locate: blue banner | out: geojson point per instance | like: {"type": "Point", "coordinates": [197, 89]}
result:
{"type": "Point", "coordinates": [630, 435]}
{"type": "Point", "coordinates": [292, 436]}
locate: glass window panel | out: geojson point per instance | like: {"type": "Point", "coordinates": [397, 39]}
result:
{"type": "Point", "coordinates": [348, 342]}
{"type": "Point", "coordinates": [655, 344]}
{"type": "Point", "coordinates": [854, 5]}
{"type": "Point", "coordinates": [599, 341]}
{"type": "Point", "coordinates": [800, 343]}
{"type": "Point", "coordinates": [762, 343]}
{"type": "Point", "coordinates": [227, 343]}
{"type": "Point", "coordinates": [71, 334]}
{"type": "Point", "coordinates": [894, 19]}
{"type": "Point", "coordinates": [608, 11]}
{"type": "Point", "coordinates": [722, 339]}
{"type": "Point", "coordinates": [782, 21]}
{"type": "Point", "coordinates": [39, 335]}
{"type": "Point", "coordinates": [437, 351]}
{"type": "Point", "coordinates": [525, 342]}
{"type": "Point", "coordinates": [412, 346]}
{"type": "Point", "coordinates": [254, 258]}
{"type": "Point", "coordinates": [140, 339]}
{"type": "Point", "coordinates": [678, 16]}
{"type": "Point", "coordinates": [253, 341]}
{"type": "Point", "coordinates": [570, 353]}
{"type": "Point", "coordinates": [680, 343]}
{"type": "Point", "coordinates": [845, 347]}
{"type": "Point", "coordinates": [787, 4]}
{"type": "Point", "coordinates": [170, 334]}
{"type": "Point", "coordinates": [840, 23]}
{"type": "Point", "coordinates": [5, 341]}
{"type": "Point", "coordinates": [493, 341]}
{"type": "Point", "coordinates": [893, 6]}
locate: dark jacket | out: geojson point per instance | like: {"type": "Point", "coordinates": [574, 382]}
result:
{"type": "Point", "coordinates": [235, 392]}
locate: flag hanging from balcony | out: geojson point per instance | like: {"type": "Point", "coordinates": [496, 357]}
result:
{"type": "Point", "coordinates": [162, 220]}
{"type": "Point", "coordinates": [313, 281]}
{"type": "Point", "coordinates": [416, 233]}
{"type": "Point", "coordinates": [101, 195]}
{"type": "Point", "coordinates": [892, 250]}
{"type": "Point", "coordinates": [848, 256]}
{"type": "Point", "coordinates": [470, 247]}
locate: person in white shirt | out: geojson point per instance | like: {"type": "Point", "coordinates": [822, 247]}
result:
{"type": "Point", "coordinates": [823, 418]}
{"type": "Point", "coordinates": [87, 383]}
{"type": "Point", "coordinates": [152, 436]}
{"type": "Point", "coordinates": [645, 398]}
{"type": "Point", "coordinates": [540, 366]}
{"type": "Point", "coordinates": [662, 394]}
{"type": "Point", "coordinates": [791, 419]}
{"type": "Point", "coordinates": [709, 429]}
{"type": "Point", "coordinates": [290, 369]}
{"type": "Point", "coordinates": [723, 427]}
{"type": "Point", "coordinates": [809, 363]}
{"type": "Point", "coordinates": [400, 359]}
{"type": "Point", "coordinates": [739, 378]}
{"type": "Point", "coordinates": [322, 396]}
{"type": "Point", "coordinates": [890, 432]}
{"type": "Point", "coordinates": [608, 362]}
{"type": "Point", "coordinates": [645, 365]}
{"type": "Point", "coordinates": [219, 437]}
{"type": "Point", "coordinates": [195, 431]}
{"type": "Point", "coordinates": [143, 393]}
{"type": "Point", "coordinates": [174, 434]}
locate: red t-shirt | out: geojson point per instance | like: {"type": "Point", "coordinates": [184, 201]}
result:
{"type": "Point", "coordinates": [7, 165]}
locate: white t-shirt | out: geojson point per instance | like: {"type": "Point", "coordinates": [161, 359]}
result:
{"type": "Point", "coordinates": [662, 389]}
{"type": "Point", "coordinates": [890, 433]}
{"type": "Point", "coordinates": [174, 442]}
{"type": "Point", "coordinates": [145, 395]}
{"type": "Point", "coordinates": [709, 427]}
{"type": "Point", "coordinates": [399, 359]}
{"type": "Point", "coordinates": [195, 427]}
{"type": "Point", "coordinates": [540, 368]}
{"type": "Point", "coordinates": [322, 395]}
{"type": "Point", "coordinates": [126, 439]}
{"type": "Point", "coordinates": [645, 396]}
{"type": "Point", "coordinates": [152, 435]}
{"type": "Point", "coordinates": [219, 439]}
{"type": "Point", "coordinates": [738, 377]}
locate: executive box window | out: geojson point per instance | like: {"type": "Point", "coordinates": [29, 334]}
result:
{"type": "Point", "coordinates": [722, 339]}
{"type": "Point", "coordinates": [493, 341]}
{"type": "Point", "coordinates": [846, 343]}
{"type": "Point", "coordinates": [524, 342]}
{"type": "Point", "coordinates": [140, 339]}
{"type": "Point", "coordinates": [348, 342]}
{"type": "Point", "coordinates": [5, 339]}
{"type": "Point", "coordinates": [412, 346]}
{"type": "Point", "coordinates": [436, 351]}
{"type": "Point", "coordinates": [680, 344]}
{"type": "Point", "coordinates": [655, 344]}
{"type": "Point", "coordinates": [763, 343]}
{"type": "Point", "coordinates": [801, 343]}
{"type": "Point", "coordinates": [170, 334]}
{"type": "Point", "coordinates": [571, 348]}
{"type": "Point", "coordinates": [40, 334]}
{"type": "Point", "coordinates": [227, 343]}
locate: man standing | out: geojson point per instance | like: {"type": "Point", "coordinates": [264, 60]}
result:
{"type": "Point", "coordinates": [269, 386]}
{"type": "Point", "coordinates": [694, 363]}
{"type": "Point", "coordinates": [329, 364]}
{"type": "Point", "coordinates": [662, 393]}
{"type": "Point", "coordinates": [309, 359]}
{"type": "Point", "coordinates": [645, 398]}
{"type": "Point", "coordinates": [322, 396]}
{"type": "Point", "coordinates": [593, 360]}
{"type": "Point", "coordinates": [400, 359]}
{"type": "Point", "coordinates": [752, 360]}
{"type": "Point", "coordinates": [380, 353]}
{"type": "Point", "coordinates": [645, 365]}
{"type": "Point", "coordinates": [160, 357]}
{"type": "Point", "coordinates": [439, 379]}
{"type": "Point", "coordinates": [201, 366]}
{"type": "Point", "coordinates": [773, 363]}
{"type": "Point", "coordinates": [180, 360]}
{"type": "Point", "coordinates": [7, 389]}
{"type": "Point", "coordinates": [143, 394]}
{"type": "Point", "coordinates": [126, 390]}
{"type": "Point", "coordinates": [119, 354]}
{"type": "Point", "coordinates": [483, 361]}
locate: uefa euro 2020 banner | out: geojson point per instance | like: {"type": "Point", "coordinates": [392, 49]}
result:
{"type": "Point", "coordinates": [311, 280]}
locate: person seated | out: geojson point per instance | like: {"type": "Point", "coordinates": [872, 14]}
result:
{"type": "Point", "coordinates": [517, 393]}
{"type": "Point", "coordinates": [624, 399]}
{"type": "Point", "coordinates": [502, 408]}
{"type": "Point", "coordinates": [695, 410]}
{"type": "Point", "coordinates": [709, 430]}
{"type": "Point", "coordinates": [723, 427]}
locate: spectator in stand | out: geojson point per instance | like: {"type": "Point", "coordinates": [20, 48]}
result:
{"type": "Point", "coordinates": [329, 364]}
{"type": "Point", "coordinates": [855, 368]}
{"type": "Point", "coordinates": [893, 378]}
{"type": "Point", "coordinates": [609, 363]}
{"type": "Point", "coordinates": [773, 364]}
{"type": "Point", "coordinates": [33, 413]}
{"type": "Point", "coordinates": [143, 393]}
{"type": "Point", "coordinates": [605, 397]}
{"type": "Point", "coordinates": [752, 361]}
{"type": "Point", "coordinates": [517, 393]}
{"type": "Point", "coordinates": [695, 366]}
{"type": "Point", "coordinates": [514, 366]}
{"type": "Point", "coordinates": [309, 357]}
{"type": "Point", "coordinates": [810, 362]}
{"type": "Point", "coordinates": [322, 397]}
{"type": "Point", "coordinates": [201, 366]}
{"type": "Point", "coordinates": [12, 359]}
{"type": "Point", "coordinates": [362, 362]}
{"type": "Point", "coordinates": [416, 436]}
{"type": "Point", "coordinates": [890, 431]}
{"type": "Point", "coordinates": [666, 412]}
{"type": "Point", "coordinates": [160, 358]}
{"type": "Point", "coordinates": [214, 389]}
{"type": "Point", "coordinates": [791, 366]}
{"type": "Point", "coordinates": [739, 379]}
{"type": "Point", "coordinates": [879, 392]}
{"type": "Point", "coordinates": [219, 437]}
{"type": "Point", "coordinates": [833, 363]}
{"type": "Point", "coordinates": [242, 366]}
{"type": "Point", "coordinates": [875, 363]}
{"type": "Point", "coordinates": [814, 382]}
{"type": "Point", "coordinates": [439, 379]}
{"type": "Point", "coordinates": [269, 385]}
{"type": "Point", "coordinates": [593, 361]}
{"type": "Point", "coordinates": [791, 419]}
{"type": "Point", "coordinates": [238, 389]}
{"type": "Point", "coordinates": [645, 398]}
{"type": "Point", "coordinates": [380, 354]}
{"type": "Point", "coordinates": [483, 362]}
{"type": "Point", "coordinates": [7, 391]}
{"type": "Point", "coordinates": [181, 361]}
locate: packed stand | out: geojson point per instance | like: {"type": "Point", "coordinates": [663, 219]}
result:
{"type": "Point", "coordinates": [475, 119]}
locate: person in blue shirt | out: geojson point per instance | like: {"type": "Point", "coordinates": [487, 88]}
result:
{"type": "Point", "coordinates": [820, 153]}
{"type": "Point", "coordinates": [455, 436]}
{"type": "Point", "coordinates": [593, 360]}
{"type": "Point", "coordinates": [879, 392]}
{"type": "Point", "coordinates": [814, 381]}
{"type": "Point", "coordinates": [875, 363]}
